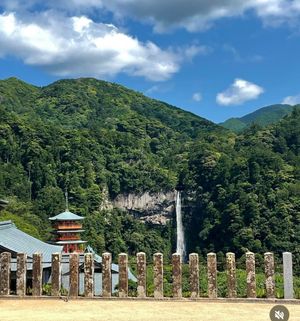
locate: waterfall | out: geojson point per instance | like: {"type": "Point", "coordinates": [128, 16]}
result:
{"type": "Point", "coordinates": [180, 246]}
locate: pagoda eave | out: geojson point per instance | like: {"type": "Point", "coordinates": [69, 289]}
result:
{"type": "Point", "coordinates": [70, 242]}
{"type": "Point", "coordinates": [66, 231]}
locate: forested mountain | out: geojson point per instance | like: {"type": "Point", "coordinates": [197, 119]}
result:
{"type": "Point", "coordinates": [100, 140]}
{"type": "Point", "coordinates": [262, 117]}
{"type": "Point", "coordinates": [97, 140]}
{"type": "Point", "coordinates": [248, 198]}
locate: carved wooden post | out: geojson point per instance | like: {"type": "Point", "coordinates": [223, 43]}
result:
{"type": "Point", "coordinates": [88, 275]}
{"type": "Point", "coordinates": [21, 274]}
{"type": "Point", "coordinates": [158, 272]}
{"type": "Point", "coordinates": [141, 274]}
{"type": "Point", "coordinates": [123, 275]}
{"type": "Point", "coordinates": [37, 274]}
{"type": "Point", "coordinates": [212, 275]}
{"type": "Point", "coordinates": [251, 279]}
{"type": "Point", "coordinates": [194, 274]}
{"type": "Point", "coordinates": [106, 275]}
{"type": "Point", "coordinates": [74, 275]}
{"type": "Point", "coordinates": [5, 260]}
{"type": "Point", "coordinates": [56, 274]}
{"type": "Point", "coordinates": [231, 275]}
{"type": "Point", "coordinates": [269, 273]}
{"type": "Point", "coordinates": [177, 275]}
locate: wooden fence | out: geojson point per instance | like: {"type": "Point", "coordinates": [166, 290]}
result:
{"type": "Point", "coordinates": [158, 275]}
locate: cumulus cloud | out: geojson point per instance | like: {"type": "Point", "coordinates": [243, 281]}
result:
{"type": "Point", "coordinates": [239, 92]}
{"type": "Point", "coordinates": [165, 15]}
{"type": "Point", "coordinates": [292, 100]}
{"type": "Point", "coordinates": [197, 97]}
{"type": "Point", "coordinates": [200, 15]}
{"type": "Point", "coordinates": [79, 46]}
{"type": "Point", "coordinates": [169, 14]}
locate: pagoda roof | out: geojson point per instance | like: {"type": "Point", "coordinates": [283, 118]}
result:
{"type": "Point", "coordinates": [67, 231]}
{"type": "Point", "coordinates": [66, 216]}
{"type": "Point", "coordinates": [14, 240]}
{"type": "Point", "coordinates": [70, 242]}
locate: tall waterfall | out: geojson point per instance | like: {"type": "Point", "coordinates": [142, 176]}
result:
{"type": "Point", "coordinates": [180, 246]}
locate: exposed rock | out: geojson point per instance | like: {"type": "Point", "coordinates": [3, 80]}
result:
{"type": "Point", "coordinates": [157, 219]}
{"type": "Point", "coordinates": [153, 208]}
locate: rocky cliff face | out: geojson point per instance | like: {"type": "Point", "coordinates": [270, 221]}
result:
{"type": "Point", "coordinates": [156, 208]}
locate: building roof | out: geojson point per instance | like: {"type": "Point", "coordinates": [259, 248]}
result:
{"type": "Point", "coordinates": [114, 267]}
{"type": "Point", "coordinates": [67, 231]}
{"type": "Point", "coordinates": [13, 264]}
{"type": "Point", "coordinates": [66, 216]}
{"type": "Point", "coordinates": [3, 203]}
{"type": "Point", "coordinates": [14, 240]}
{"type": "Point", "coordinates": [70, 242]}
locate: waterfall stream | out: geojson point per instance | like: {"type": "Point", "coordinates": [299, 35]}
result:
{"type": "Point", "coordinates": [180, 246]}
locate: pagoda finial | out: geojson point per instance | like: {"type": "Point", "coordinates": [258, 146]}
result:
{"type": "Point", "coordinates": [67, 200]}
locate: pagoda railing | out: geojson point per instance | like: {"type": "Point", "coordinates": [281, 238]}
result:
{"type": "Point", "coordinates": [68, 238]}
{"type": "Point", "coordinates": [68, 227]}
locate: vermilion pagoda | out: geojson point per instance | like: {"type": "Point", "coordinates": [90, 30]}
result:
{"type": "Point", "coordinates": [67, 228]}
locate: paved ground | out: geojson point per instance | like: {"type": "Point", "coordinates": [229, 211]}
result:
{"type": "Point", "coordinates": [118, 310]}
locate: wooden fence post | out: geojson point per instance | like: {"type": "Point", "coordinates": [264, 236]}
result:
{"type": "Point", "coordinates": [158, 274]}
{"type": "Point", "coordinates": [37, 274]}
{"type": "Point", "coordinates": [5, 259]}
{"type": "Point", "coordinates": [88, 275]}
{"type": "Point", "coordinates": [141, 274]}
{"type": "Point", "coordinates": [106, 275]}
{"type": "Point", "coordinates": [177, 275]}
{"type": "Point", "coordinates": [212, 275]}
{"type": "Point", "coordinates": [21, 273]}
{"type": "Point", "coordinates": [74, 275]}
{"type": "Point", "coordinates": [231, 275]}
{"type": "Point", "coordinates": [123, 275]}
{"type": "Point", "coordinates": [269, 273]}
{"type": "Point", "coordinates": [194, 274]}
{"type": "Point", "coordinates": [56, 274]}
{"type": "Point", "coordinates": [251, 279]}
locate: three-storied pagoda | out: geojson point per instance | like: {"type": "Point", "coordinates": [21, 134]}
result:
{"type": "Point", "coordinates": [67, 228]}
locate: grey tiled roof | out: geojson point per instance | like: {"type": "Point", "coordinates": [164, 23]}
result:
{"type": "Point", "coordinates": [3, 203]}
{"type": "Point", "coordinates": [14, 240]}
{"type": "Point", "coordinates": [65, 216]}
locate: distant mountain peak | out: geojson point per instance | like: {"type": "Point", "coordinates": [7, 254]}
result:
{"type": "Point", "coordinates": [264, 116]}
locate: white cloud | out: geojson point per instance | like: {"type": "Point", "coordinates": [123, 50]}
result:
{"type": "Point", "coordinates": [193, 15]}
{"type": "Point", "coordinates": [291, 100]}
{"type": "Point", "coordinates": [239, 92]}
{"type": "Point", "coordinates": [78, 46]}
{"type": "Point", "coordinates": [197, 97]}
{"type": "Point", "coordinates": [200, 15]}
{"type": "Point", "coordinates": [197, 15]}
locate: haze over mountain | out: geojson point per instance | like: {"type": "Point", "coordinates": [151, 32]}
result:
{"type": "Point", "coordinates": [262, 117]}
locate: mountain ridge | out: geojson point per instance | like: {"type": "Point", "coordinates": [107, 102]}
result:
{"type": "Point", "coordinates": [263, 117]}
{"type": "Point", "coordinates": [102, 142]}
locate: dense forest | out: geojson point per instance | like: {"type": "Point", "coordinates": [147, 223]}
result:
{"type": "Point", "coordinates": [263, 117]}
{"type": "Point", "coordinates": [98, 140]}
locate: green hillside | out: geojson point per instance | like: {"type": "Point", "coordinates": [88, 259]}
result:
{"type": "Point", "coordinates": [262, 117]}
{"type": "Point", "coordinates": [99, 140]}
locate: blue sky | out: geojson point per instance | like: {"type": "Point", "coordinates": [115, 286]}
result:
{"type": "Point", "coordinates": [215, 58]}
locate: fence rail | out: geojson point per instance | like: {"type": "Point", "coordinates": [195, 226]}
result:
{"type": "Point", "coordinates": [141, 275]}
